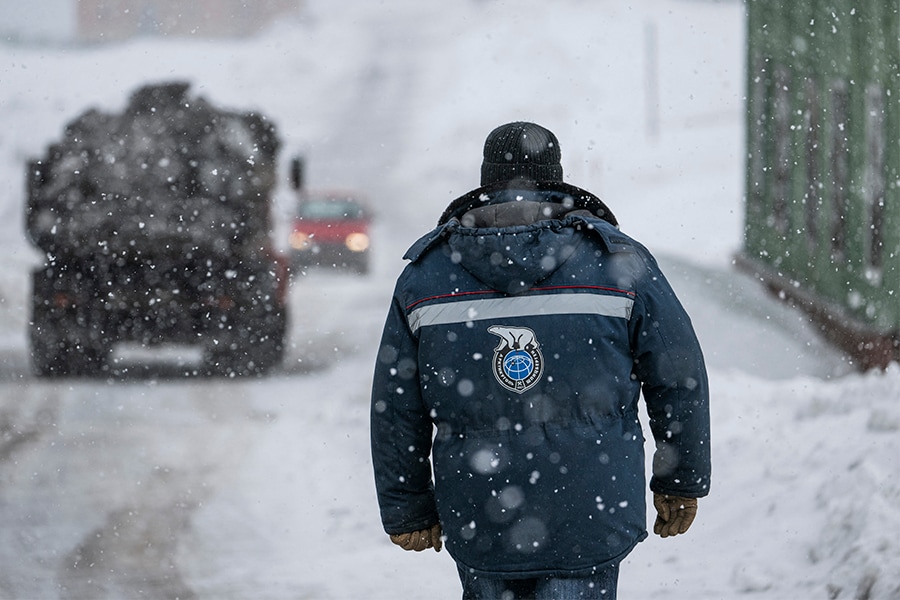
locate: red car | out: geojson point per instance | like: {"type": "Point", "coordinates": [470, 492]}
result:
{"type": "Point", "coordinates": [331, 229]}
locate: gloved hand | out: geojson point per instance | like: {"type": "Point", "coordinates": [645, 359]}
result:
{"type": "Point", "coordinates": [420, 540]}
{"type": "Point", "coordinates": [675, 514]}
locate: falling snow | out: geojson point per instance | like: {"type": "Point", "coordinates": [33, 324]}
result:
{"type": "Point", "coordinates": [804, 494]}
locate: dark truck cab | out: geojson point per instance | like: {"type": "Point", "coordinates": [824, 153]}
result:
{"type": "Point", "coordinates": [155, 227]}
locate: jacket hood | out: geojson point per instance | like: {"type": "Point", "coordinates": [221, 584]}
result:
{"type": "Point", "coordinates": [511, 239]}
{"type": "Point", "coordinates": [513, 258]}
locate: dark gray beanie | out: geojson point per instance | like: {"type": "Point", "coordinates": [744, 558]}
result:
{"type": "Point", "coordinates": [521, 149]}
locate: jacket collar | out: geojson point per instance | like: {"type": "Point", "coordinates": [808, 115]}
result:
{"type": "Point", "coordinates": [553, 191]}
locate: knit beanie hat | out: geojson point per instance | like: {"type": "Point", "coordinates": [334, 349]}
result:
{"type": "Point", "coordinates": [521, 149]}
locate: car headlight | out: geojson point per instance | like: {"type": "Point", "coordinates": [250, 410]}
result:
{"type": "Point", "coordinates": [299, 240]}
{"type": "Point", "coordinates": [357, 242]}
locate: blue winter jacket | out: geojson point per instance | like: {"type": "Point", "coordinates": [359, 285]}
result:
{"type": "Point", "coordinates": [518, 342]}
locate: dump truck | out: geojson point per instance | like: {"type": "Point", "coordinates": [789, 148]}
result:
{"type": "Point", "coordinates": [155, 226]}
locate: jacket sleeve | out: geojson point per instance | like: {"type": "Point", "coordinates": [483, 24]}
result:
{"type": "Point", "coordinates": [401, 432]}
{"type": "Point", "coordinates": [669, 364]}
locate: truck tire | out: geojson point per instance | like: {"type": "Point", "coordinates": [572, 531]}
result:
{"type": "Point", "coordinates": [58, 351]}
{"type": "Point", "coordinates": [47, 354]}
{"type": "Point", "coordinates": [247, 349]}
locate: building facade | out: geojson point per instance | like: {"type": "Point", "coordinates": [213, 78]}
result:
{"type": "Point", "coordinates": [823, 165]}
{"type": "Point", "coordinates": [95, 21]}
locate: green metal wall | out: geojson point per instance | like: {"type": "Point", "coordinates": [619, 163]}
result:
{"type": "Point", "coordinates": [823, 151]}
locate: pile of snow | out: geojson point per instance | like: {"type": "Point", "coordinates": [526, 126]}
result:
{"type": "Point", "coordinates": [168, 165]}
{"type": "Point", "coordinates": [806, 489]}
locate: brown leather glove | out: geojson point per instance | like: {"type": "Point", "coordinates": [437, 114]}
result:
{"type": "Point", "coordinates": [675, 514]}
{"type": "Point", "coordinates": [420, 540]}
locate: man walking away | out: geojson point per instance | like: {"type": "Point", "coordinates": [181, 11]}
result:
{"type": "Point", "coordinates": [505, 399]}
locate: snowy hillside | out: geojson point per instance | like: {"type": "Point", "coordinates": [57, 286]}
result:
{"type": "Point", "coordinates": [395, 98]}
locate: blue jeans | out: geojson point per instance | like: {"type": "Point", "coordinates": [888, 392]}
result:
{"type": "Point", "coordinates": [599, 586]}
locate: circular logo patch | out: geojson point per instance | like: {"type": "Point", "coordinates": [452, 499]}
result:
{"type": "Point", "coordinates": [518, 363]}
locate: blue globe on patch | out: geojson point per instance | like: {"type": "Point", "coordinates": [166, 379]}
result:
{"type": "Point", "coordinates": [518, 365]}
